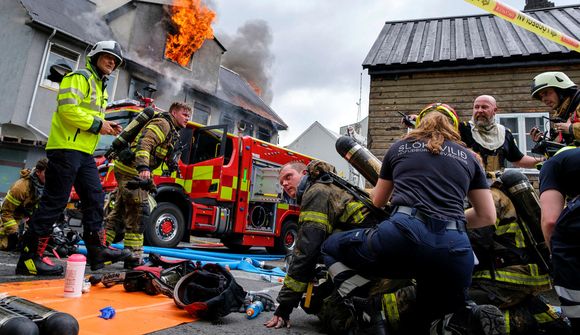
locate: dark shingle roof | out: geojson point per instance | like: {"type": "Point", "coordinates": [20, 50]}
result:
{"type": "Point", "coordinates": [76, 18]}
{"type": "Point", "coordinates": [236, 90]}
{"type": "Point", "coordinates": [452, 41]}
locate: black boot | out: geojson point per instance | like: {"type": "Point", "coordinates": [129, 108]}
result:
{"type": "Point", "coordinates": [369, 315]}
{"type": "Point", "coordinates": [472, 320]}
{"type": "Point", "coordinates": [132, 262]}
{"type": "Point", "coordinates": [32, 261]}
{"type": "Point", "coordinates": [98, 254]}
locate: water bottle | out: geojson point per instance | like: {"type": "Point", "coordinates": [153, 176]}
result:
{"type": "Point", "coordinates": [254, 309]}
{"type": "Point", "coordinates": [74, 276]}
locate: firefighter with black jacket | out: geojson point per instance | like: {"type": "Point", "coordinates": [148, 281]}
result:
{"type": "Point", "coordinates": [557, 91]}
{"type": "Point", "coordinates": [324, 208]}
{"type": "Point", "coordinates": [74, 133]}
{"type": "Point", "coordinates": [152, 145]}
{"type": "Point", "coordinates": [20, 202]}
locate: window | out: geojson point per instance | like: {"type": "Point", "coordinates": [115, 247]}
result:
{"type": "Point", "coordinates": [200, 113]}
{"type": "Point", "coordinates": [520, 125]}
{"type": "Point", "coordinates": [138, 86]}
{"type": "Point", "coordinates": [59, 62]}
{"type": "Point", "coordinates": [112, 85]}
{"type": "Point", "coordinates": [263, 134]}
{"type": "Point", "coordinates": [229, 122]}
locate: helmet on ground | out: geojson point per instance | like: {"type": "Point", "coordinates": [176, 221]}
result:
{"type": "Point", "coordinates": [209, 292]}
{"type": "Point", "coordinates": [550, 79]}
{"type": "Point", "coordinates": [443, 109]}
{"type": "Point", "coordinates": [110, 47]}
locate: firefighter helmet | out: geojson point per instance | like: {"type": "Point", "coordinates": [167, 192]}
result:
{"type": "Point", "coordinates": [442, 108]}
{"type": "Point", "coordinates": [110, 47]}
{"type": "Point", "coordinates": [550, 79]}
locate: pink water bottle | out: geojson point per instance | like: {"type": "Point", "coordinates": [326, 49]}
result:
{"type": "Point", "coordinates": [74, 276]}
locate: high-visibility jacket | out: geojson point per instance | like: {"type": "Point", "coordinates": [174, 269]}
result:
{"type": "Point", "coordinates": [82, 100]}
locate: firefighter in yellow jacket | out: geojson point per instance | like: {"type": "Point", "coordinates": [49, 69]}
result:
{"type": "Point", "coordinates": [20, 202]}
{"type": "Point", "coordinates": [74, 133]}
{"type": "Point", "coordinates": [153, 144]}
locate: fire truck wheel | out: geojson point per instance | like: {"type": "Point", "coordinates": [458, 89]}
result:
{"type": "Point", "coordinates": [285, 243]}
{"type": "Point", "coordinates": [166, 227]}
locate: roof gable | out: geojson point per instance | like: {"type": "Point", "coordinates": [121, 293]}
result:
{"type": "Point", "coordinates": [236, 90]}
{"type": "Point", "coordinates": [475, 39]}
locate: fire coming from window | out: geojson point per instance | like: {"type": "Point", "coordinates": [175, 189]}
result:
{"type": "Point", "coordinates": [192, 21]}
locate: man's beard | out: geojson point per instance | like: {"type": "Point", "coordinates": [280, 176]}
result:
{"type": "Point", "coordinates": [483, 122]}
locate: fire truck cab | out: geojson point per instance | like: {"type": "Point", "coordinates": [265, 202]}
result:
{"type": "Point", "coordinates": [225, 186]}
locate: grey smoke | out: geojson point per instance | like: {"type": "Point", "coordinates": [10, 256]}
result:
{"type": "Point", "coordinates": [248, 53]}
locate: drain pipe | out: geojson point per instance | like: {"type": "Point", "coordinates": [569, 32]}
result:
{"type": "Point", "coordinates": [38, 78]}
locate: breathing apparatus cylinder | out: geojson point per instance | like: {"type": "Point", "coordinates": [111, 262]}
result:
{"type": "Point", "coordinates": [360, 158]}
{"type": "Point", "coordinates": [14, 323]}
{"type": "Point", "coordinates": [518, 188]}
{"type": "Point", "coordinates": [124, 139]}
{"type": "Point", "coordinates": [48, 320]}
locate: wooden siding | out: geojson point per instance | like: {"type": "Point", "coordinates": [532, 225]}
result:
{"type": "Point", "coordinates": [410, 93]}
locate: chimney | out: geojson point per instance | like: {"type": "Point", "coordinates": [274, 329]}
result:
{"type": "Point", "coordinates": [538, 4]}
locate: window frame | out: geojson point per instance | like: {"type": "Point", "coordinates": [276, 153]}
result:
{"type": "Point", "coordinates": [522, 133]}
{"type": "Point", "coordinates": [46, 68]}
{"type": "Point", "coordinates": [200, 107]}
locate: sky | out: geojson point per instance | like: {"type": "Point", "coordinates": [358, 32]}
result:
{"type": "Point", "coordinates": [311, 51]}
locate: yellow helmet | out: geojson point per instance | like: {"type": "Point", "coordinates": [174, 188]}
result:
{"type": "Point", "coordinates": [442, 108]}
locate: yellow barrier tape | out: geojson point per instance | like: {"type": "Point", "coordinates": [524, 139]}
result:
{"type": "Point", "coordinates": [527, 22]}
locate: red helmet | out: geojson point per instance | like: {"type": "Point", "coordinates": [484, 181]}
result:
{"type": "Point", "coordinates": [442, 108]}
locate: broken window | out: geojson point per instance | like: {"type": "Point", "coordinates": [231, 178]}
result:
{"type": "Point", "coordinates": [59, 62]}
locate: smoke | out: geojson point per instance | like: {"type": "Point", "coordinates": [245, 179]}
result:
{"type": "Point", "coordinates": [93, 25]}
{"type": "Point", "coordinates": [250, 56]}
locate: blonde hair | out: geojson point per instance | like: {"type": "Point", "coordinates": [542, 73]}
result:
{"type": "Point", "coordinates": [435, 129]}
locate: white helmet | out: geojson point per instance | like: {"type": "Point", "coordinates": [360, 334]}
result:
{"type": "Point", "coordinates": [110, 47]}
{"type": "Point", "coordinates": [551, 79]}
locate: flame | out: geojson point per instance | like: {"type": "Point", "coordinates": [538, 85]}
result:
{"type": "Point", "coordinates": [192, 20]}
{"type": "Point", "coordinates": [256, 88]}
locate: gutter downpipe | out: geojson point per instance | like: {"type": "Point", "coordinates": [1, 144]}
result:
{"type": "Point", "coordinates": [44, 55]}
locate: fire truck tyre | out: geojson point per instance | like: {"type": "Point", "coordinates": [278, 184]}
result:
{"type": "Point", "coordinates": [166, 226]}
{"type": "Point", "coordinates": [285, 243]}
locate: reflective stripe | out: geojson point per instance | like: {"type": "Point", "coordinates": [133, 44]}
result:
{"type": "Point", "coordinates": [352, 283]}
{"type": "Point", "coordinates": [133, 240]}
{"type": "Point", "coordinates": [506, 316]}
{"type": "Point", "coordinates": [161, 152]}
{"type": "Point", "coordinates": [12, 199]}
{"type": "Point", "coordinates": [10, 223]}
{"type": "Point", "coordinates": [111, 234]}
{"type": "Point", "coordinates": [125, 169]}
{"type": "Point", "coordinates": [66, 101]}
{"type": "Point", "coordinates": [317, 217]}
{"type": "Point", "coordinates": [543, 317]}
{"type": "Point", "coordinates": [568, 294]}
{"type": "Point", "coordinates": [391, 309]}
{"type": "Point", "coordinates": [337, 268]}
{"type": "Point", "coordinates": [513, 228]}
{"type": "Point", "coordinates": [353, 210]}
{"type": "Point", "coordinates": [74, 91]}
{"type": "Point", "coordinates": [143, 153]}
{"type": "Point", "coordinates": [158, 132]}
{"type": "Point", "coordinates": [295, 285]}
{"type": "Point", "coordinates": [571, 311]}
{"type": "Point", "coordinates": [516, 278]}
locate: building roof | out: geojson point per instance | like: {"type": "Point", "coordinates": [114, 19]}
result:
{"type": "Point", "coordinates": [312, 128]}
{"type": "Point", "coordinates": [70, 17]}
{"type": "Point", "coordinates": [236, 90]}
{"type": "Point", "coordinates": [437, 43]}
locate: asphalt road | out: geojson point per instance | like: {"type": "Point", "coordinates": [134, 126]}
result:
{"type": "Point", "coordinates": [234, 323]}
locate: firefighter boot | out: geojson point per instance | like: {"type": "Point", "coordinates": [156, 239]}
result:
{"type": "Point", "coordinates": [132, 261]}
{"type": "Point", "coordinates": [32, 261]}
{"type": "Point", "coordinates": [472, 320]}
{"type": "Point", "coordinates": [369, 314]}
{"type": "Point", "coordinates": [98, 254]}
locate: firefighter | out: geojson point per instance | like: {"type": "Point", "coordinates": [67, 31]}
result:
{"type": "Point", "coordinates": [561, 227]}
{"type": "Point", "coordinates": [152, 145]}
{"type": "Point", "coordinates": [74, 134]}
{"type": "Point", "coordinates": [492, 141]}
{"type": "Point", "coordinates": [425, 238]}
{"type": "Point", "coordinates": [557, 91]}
{"type": "Point", "coordinates": [20, 202]}
{"type": "Point", "coordinates": [324, 208]}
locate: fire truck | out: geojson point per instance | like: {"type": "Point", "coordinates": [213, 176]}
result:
{"type": "Point", "coordinates": [225, 186]}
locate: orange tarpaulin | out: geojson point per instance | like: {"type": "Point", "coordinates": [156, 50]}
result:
{"type": "Point", "coordinates": [136, 312]}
